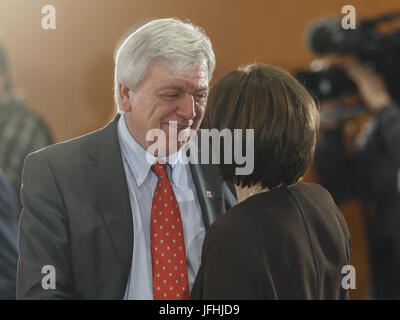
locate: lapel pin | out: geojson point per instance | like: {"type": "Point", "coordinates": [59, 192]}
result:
{"type": "Point", "coordinates": [208, 194]}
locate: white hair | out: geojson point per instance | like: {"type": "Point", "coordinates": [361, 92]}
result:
{"type": "Point", "coordinates": [179, 44]}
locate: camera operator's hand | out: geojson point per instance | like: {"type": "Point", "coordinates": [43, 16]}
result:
{"type": "Point", "coordinates": [327, 106]}
{"type": "Point", "coordinates": [370, 86]}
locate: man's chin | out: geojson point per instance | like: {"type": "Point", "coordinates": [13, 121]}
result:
{"type": "Point", "coordinates": [169, 142]}
{"type": "Point", "coordinates": [166, 152]}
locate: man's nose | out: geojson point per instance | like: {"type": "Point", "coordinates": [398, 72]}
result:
{"type": "Point", "coordinates": [186, 107]}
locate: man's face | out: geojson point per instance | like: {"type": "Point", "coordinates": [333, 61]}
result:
{"type": "Point", "coordinates": [163, 97]}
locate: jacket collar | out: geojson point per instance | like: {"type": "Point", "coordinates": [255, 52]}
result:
{"type": "Point", "coordinates": [108, 180]}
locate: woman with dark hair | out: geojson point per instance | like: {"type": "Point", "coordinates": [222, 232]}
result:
{"type": "Point", "coordinates": [284, 239]}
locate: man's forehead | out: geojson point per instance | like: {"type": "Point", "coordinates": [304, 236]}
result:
{"type": "Point", "coordinates": [181, 86]}
{"type": "Point", "coordinates": [178, 82]}
{"type": "Point", "coordinates": [194, 77]}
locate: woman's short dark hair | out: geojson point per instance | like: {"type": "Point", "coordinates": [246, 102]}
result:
{"type": "Point", "coordinates": [284, 118]}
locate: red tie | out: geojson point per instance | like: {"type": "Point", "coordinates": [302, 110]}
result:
{"type": "Point", "coordinates": [170, 279]}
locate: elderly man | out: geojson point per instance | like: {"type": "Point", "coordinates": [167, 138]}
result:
{"type": "Point", "coordinates": [102, 217]}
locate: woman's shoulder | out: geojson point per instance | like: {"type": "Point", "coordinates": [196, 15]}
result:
{"type": "Point", "coordinates": [245, 216]}
{"type": "Point", "coordinates": [314, 192]}
{"type": "Point", "coordinates": [236, 221]}
{"type": "Point", "coordinates": [311, 186]}
{"type": "Point", "coordinates": [267, 208]}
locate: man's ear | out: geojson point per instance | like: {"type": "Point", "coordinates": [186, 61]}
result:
{"type": "Point", "coordinates": [125, 102]}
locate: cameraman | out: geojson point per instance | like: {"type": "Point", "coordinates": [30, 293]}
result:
{"type": "Point", "coordinates": [371, 173]}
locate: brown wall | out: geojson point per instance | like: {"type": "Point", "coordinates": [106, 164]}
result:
{"type": "Point", "coordinates": [67, 73]}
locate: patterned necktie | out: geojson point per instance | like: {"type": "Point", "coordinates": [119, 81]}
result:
{"type": "Point", "coordinates": [170, 279]}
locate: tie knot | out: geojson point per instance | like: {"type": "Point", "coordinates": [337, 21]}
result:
{"type": "Point", "coordinates": [160, 169]}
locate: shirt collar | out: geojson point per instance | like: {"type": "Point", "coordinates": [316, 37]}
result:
{"type": "Point", "coordinates": [140, 160]}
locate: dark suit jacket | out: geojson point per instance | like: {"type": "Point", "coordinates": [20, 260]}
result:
{"type": "Point", "coordinates": [77, 217]}
{"type": "Point", "coordinates": [289, 243]}
{"type": "Point", "coordinates": [8, 239]}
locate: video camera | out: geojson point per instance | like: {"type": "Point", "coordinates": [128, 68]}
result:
{"type": "Point", "coordinates": [377, 50]}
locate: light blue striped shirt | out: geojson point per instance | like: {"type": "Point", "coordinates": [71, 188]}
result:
{"type": "Point", "coordinates": [141, 184]}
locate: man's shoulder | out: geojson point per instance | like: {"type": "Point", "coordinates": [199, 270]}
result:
{"type": "Point", "coordinates": [67, 149]}
{"type": "Point", "coordinates": [76, 149]}
{"type": "Point", "coordinates": [72, 145]}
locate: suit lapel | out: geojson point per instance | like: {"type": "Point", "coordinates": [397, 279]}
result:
{"type": "Point", "coordinates": [208, 185]}
{"type": "Point", "coordinates": [107, 176]}
{"type": "Point", "coordinates": [215, 196]}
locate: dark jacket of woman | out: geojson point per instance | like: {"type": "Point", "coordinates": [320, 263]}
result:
{"type": "Point", "coordinates": [288, 243]}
